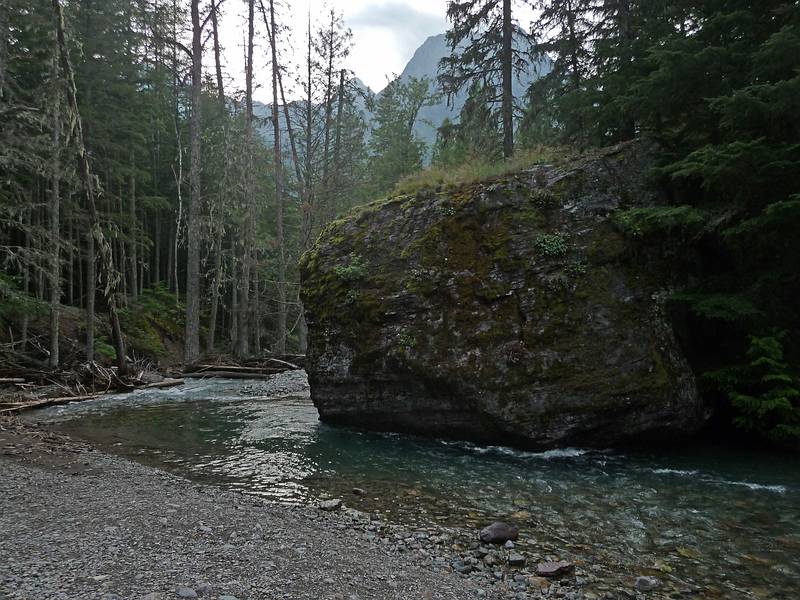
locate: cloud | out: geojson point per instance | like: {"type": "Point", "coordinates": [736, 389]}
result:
{"type": "Point", "coordinates": [408, 25]}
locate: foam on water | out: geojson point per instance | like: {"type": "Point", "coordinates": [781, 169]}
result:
{"type": "Point", "coordinates": [513, 452]}
{"type": "Point", "coordinates": [710, 479]}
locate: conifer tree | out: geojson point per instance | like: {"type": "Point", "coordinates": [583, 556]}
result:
{"type": "Point", "coordinates": [487, 47]}
{"type": "Point", "coordinates": [394, 147]}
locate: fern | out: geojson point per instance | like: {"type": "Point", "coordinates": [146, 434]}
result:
{"type": "Point", "coordinates": [645, 222]}
{"type": "Point", "coordinates": [718, 306]}
{"type": "Point", "coordinates": [770, 404]}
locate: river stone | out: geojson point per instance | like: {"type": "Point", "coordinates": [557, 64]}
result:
{"type": "Point", "coordinates": [516, 560]}
{"type": "Point", "coordinates": [330, 505]}
{"type": "Point", "coordinates": [509, 311]}
{"type": "Point", "coordinates": [185, 592]}
{"type": "Point", "coordinates": [498, 533]}
{"type": "Point", "coordinates": [554, 569]}
{"type": "Point", "coordinates": [646, 584]}
{"type": "Point", "coordinates": [462, 567]}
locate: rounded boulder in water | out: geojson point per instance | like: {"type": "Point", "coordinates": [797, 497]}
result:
{"type": "Point", "coordinates": [498, 533]}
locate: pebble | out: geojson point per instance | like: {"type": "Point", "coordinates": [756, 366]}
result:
{"type": "Point", "coordinates": [203, 588]}
{"type": "Point", "coordinates": [516, 560]}
{"type": "Point", "coordinates": [462, 567]}
{"type": "Point", "coordinates": [646, 584]}
{"type": "Point", "coordinates": [330, 505]}
{"type": "Point", "coordinates": [185, 592]}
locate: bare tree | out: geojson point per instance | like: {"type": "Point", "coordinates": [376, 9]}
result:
{"type": "Point", "coordinates": [54, 231]}
{"type": "Point", "coordinates": [192, 352]}
{"type": "Point", "coordinates": [248, 249]}
{"type": "Point", "coordinates": [110, 274]}
{"type": "Point", "coordinates": [280, 344]}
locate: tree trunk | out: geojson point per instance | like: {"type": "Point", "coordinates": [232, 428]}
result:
{"type": "Point", "coordinates": [171, 283]}
{"type": "Point", "coordinates": [280, 334]}
{"type": "Point", "coordinates": [507, 91]}
{"type": "Point", "coordinates": [215, 291]}
{"type": "Point", "coordinates": [328, 118]}
{"type": "Point", "coordinates": [249, 238]}
{"type": "Point", "coordinates": [54, 237]}
{"type": "Point", "coordinates": [3, 48]}
{"type": "Point", "coordinates": [625, 26]}
{"type": "Point", "coordinates": [91, 293]}
{"type": "Point", "coordinates": [192, 348]}
{"type": "Point", "coordinates": [218, 228]}
{"type": "Point", "coordinates": [337, 165]}
{"type": "Point", "coordinates": [26, 270]}
{"type": "Point", "coordinates": [70, 261]}
{"type": "Point", "coordinates": [110, 275]}
{"type": "Point", "coordinates": [155, 276]}
{"type": "Point", "coordinates": [308, 184]}
{"type": "Point", "coordinates": [133, 285]}
{"type": "Point", "coordinates": [234, 328]}
{"type": "Point", "coordinates": [217, 63]}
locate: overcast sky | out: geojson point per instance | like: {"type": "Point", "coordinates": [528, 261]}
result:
{"type": "Point", "coordinates": [385, 35]}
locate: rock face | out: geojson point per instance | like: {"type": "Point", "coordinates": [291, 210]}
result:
{"type": "Point", "coordinates": [510, 312]}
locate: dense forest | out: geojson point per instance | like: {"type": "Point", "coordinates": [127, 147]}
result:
{"type": "Point", "coordinates": [144, 198]}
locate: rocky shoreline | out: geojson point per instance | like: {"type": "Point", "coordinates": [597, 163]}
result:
{"type": "Point", "coordinates": [78, 523]}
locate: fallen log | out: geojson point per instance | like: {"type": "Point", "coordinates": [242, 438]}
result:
{"type": "Point", "coordinates": [45, 402]}
{"type": "Point", "coordinates": [12, 380]}
{"type": "Point", "coordinates": [230, 374]}
{"type": "Point", "coordinates": [285, 363]}
{"type": "Point", "coordinates": [233, 369]}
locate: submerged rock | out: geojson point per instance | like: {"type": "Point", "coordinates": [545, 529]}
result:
{"type": "Point", "coordinates": [646, 584]}
{"type": "Point", "coordinates": [554, 569]}
{"type": "Point", "coordinates": [330, 505]}
{"type": "Point", "coordinates": [498, 533]}
{"type": "Point", "coordinates": [509, 312]}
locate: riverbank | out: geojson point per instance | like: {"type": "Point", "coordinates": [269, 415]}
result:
{"type": "Point", "coordinates": [79, 523]}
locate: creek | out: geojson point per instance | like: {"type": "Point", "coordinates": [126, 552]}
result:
{"type": "Point", "coordinates": [724, 519]}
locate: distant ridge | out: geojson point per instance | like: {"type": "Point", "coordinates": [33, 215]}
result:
{"type": "Point", "coordinates": [425, 63]}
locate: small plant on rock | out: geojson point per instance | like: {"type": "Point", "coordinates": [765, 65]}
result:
{"type": "Point", "coordinates": [551, 245]}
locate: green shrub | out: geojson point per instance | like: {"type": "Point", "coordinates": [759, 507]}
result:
{"type": "Point", "coordinates": [154, 316]}
{"type": "Point", "coordinates": [354, 270]}
{"type": "Point", "coordinates": [14, 302]}
{"type": "Point", "coordinates": [551, 245]}
{"type": "Point", "coordinates": [771, 403]}
{"type": "Point", "coordinates": [656, 221]}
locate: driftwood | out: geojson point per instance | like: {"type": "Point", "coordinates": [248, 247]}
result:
{"type": "Point", "coordinates": [262, 368]}
{"type": "Point", "coordinates": [45, 402]}
{"type": "Point", "coordinates": [230, 374]}
{"type": "Point", "coordinates": [285, 363]}
{"type": "Point", "coordinates": [234, 369]}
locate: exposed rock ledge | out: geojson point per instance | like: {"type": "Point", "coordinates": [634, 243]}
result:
{"type": "Point", "coordinates": [508, 311]}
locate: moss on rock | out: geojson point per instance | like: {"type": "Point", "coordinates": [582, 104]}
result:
{"type": "Point", "coordinates": [508, 310]}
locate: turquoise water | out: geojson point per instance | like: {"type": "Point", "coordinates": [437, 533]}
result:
{"type": "Point", "coordinates": [722, 520]}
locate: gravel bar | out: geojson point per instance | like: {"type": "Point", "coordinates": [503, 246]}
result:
{"type": "Point", "coordinates": [77, 523]}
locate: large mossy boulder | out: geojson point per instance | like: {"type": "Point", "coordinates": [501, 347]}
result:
{"type": "Point", "coordinates": [509, 311]}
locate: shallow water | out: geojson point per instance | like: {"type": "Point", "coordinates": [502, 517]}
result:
{"type": "Point", "coordinates": [723, 521]}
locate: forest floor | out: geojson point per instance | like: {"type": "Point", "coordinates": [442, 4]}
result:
{"type": "Point", "coordinates": [78, 523]}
